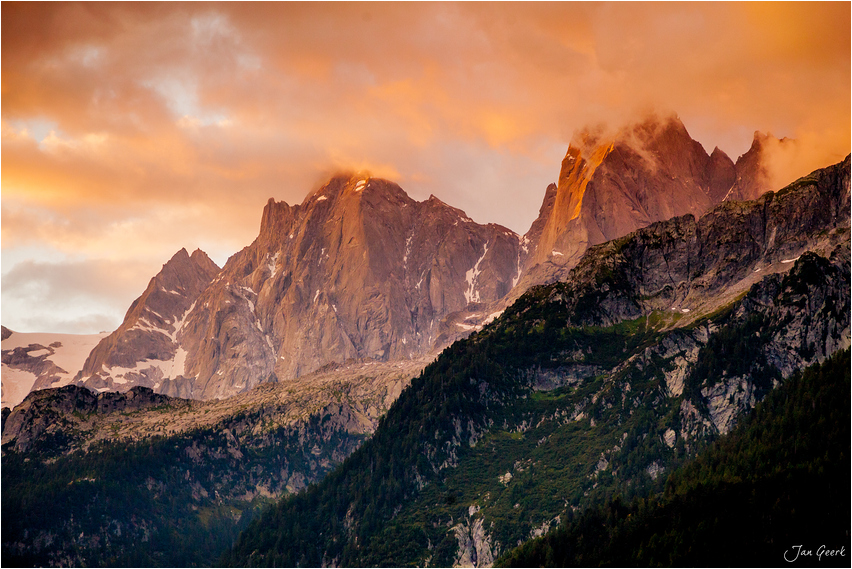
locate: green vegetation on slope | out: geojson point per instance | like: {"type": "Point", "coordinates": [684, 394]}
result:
{"type": "Point", "coordinates": [471, 442]}
{"type": "Point", "coordinates": [160, 502]}
{"type": "Point", "coordinates": [780, 480]}
{"type": "Point", "coordinates": [440, 461]}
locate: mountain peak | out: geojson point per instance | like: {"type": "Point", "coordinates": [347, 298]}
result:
{"type": "Point", "coordinates": [183, 259]}
{"type": "Point", "coordinates": [652, 131]}
{"type": "Point", "coordinates": [653, 125]}
{"type": "Point", "coordinates": [150, 327]}
{"type": "Point", "coordinates": [718, 153]}
{"type": "Point", "coordinates": [181, 254]}
{"type": "Point", "coordinates": [759, 140]}
{"type": "Point", "coordinates": [435, 203]}
{"type": "Point", "coordinates": [276, 219]}
{"type": "Point", "coordinates": [616, 180]}
{"type": "Point", "coordinates": [201, 259]}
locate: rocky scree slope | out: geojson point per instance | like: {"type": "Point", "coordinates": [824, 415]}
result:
{"type": "Point", "coordinates": [652, 348]}
{"type": "Point", "coordinates": [150, 480]}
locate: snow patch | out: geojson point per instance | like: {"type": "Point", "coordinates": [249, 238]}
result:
{"type": "Point", "coordinates": [321, 198]}
{"type": "Point", "coordinates": [492, 317]}
{"type": "Point", "coordinates": [556, 254]}
{"type": "Point", "coordinates": [17, 383]}
{"type": "Point", "coordinates": [517, 276]}
{"type": "Point", "coordinates": [179, 323]}
{"type": "Point", "coordinates": [179, 363]}
{"type": "Point", "coordinates": [160, 316]}
{"type": "Point", "coordinates": [145, 325]}
{"type": "Point", "coordinates": [791, 260]}
{"type": "Point", "coordinates": [471, 294]}
{"type": "Point", "coordinates": [70, 357]}
{"type": "Point", "coordinates": [407, 249]}
{"type": "Point", "coordinates": [38, 353]}
{"type": "Point", "coordinates": [271, 263]}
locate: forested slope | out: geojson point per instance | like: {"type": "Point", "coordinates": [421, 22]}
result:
{"type": "Point", "coordinates": [584, 390]}
{"type": "Point", "coordinates": [778, 481]}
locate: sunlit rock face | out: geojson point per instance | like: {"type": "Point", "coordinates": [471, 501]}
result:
{"type": "Point", "coordinates": [611, 184]}
{"type": "Point", "coordinates": [359, 270]}
{"type": "Point", "coordinates": [145, 349]}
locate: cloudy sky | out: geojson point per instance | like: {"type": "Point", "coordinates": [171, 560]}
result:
{"type": "Point", "coordinates": [130, 131]}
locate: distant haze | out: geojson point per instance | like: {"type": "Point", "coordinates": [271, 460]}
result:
{"type": "Point", "coordinates": [132, 130]}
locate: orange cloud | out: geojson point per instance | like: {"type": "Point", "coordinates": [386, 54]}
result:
{"type": "Point", "coordinates": [116, 113]}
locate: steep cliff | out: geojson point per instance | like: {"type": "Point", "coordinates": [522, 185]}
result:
{"type": "Point", "coordinates": [358, 270]}
{"type": "Point", "coordinates": [612, 183]}
{"type": "Point", "coordinates": [145, 349]}
{"type": "Point", "coordinates": [654, 346]}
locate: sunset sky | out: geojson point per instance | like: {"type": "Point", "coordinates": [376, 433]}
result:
{"type": "Point", "coordinates": [132, 130]}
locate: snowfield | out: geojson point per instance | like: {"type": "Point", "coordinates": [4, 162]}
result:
{"type": "Point", "coordinates": [70, 356]}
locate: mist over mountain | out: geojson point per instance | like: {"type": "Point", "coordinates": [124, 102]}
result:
{"type": "Point", "coordinates": [612, 183]}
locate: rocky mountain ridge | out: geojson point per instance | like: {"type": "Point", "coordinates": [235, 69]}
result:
{"type": "Point", "coordinates": [358, 270]}
{"type": "Point", "coordinates": [361, 270]}
{"type": "Point", "coordinates": [611, 184]}
{"type": "Point", "coordinates": [145, 350]}
{"type": "Point", "coordinates": [359, 392]}
{"type": "Point", "coordinates": [654, 346]}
